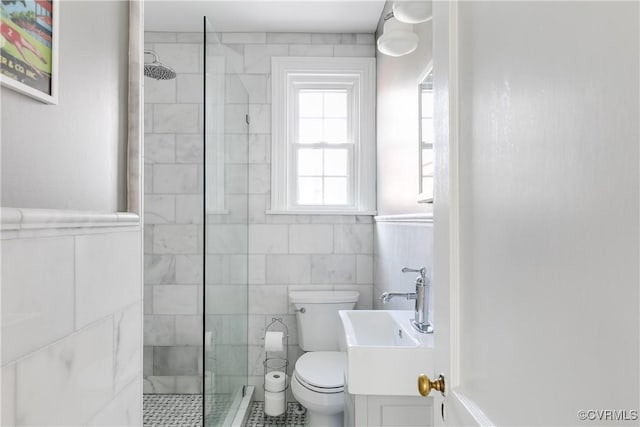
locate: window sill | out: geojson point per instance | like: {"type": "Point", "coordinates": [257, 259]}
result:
{"type": "Point", "coordinates": [321, 212]}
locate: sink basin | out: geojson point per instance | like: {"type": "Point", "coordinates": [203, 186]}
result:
{"type": "Point", "coordinates": [376, 329]}
{"type": "Point", "coordinates": [385, 354]}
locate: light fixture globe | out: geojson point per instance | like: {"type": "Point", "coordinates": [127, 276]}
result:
{"type": "Point", "coordinates": [413, 12]}
{"type": "Point", "coordinates": [397, 38]}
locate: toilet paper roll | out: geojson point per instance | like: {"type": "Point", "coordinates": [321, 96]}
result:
{"type": "Point", "coordinates": [275, 381]}
{"type": "Point", "coordinates": [273, 403]}
{"type": "Point", "coordinates": [273, 341]}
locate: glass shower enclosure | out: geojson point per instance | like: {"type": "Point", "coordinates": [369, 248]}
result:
{"type": "Point", "coordinates": [225, 229]}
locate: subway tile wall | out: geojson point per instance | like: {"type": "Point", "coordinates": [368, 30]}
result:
{"type": "Point", "coordinates": [285, 252]}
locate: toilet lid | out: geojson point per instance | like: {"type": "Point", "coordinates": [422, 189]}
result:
{"type": "Point", "coordinates": [322, 368]}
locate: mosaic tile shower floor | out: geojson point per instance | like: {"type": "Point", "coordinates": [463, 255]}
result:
{"type": "Point", "coordinates": [172, 410]}
{"type": "Point", "coordinates": [185, 410]}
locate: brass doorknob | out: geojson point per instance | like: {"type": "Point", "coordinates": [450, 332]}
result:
{"type": "Point", "coordinates": [425, 385]}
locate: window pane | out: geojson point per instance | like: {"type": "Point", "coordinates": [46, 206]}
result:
{"type": "Point", "coordinates": [427, 130]}
{"type": "Point", "coordinates": [335, 162]}
{"type": "Point", "coordinates": [335, 104]}
{"type": "Point", "coordinates": [309, 131]}
{"type": "Point", "coordinates": [427, 185]}
{"type": "Point", "coordinates": [310, 104]}
{"type": "Point", "coordinates": [309, 191]}
{"type": "Point", "coordinates": [427, 103]}
{"type": "Point", "coordinates": [427, 156]}
{"type": "Point", "coordinates": [335, 130]}
{"type": "Point", "coordinates": [309, 162]}
{"type": "Point", "coordinates": [335, 191]}
{"type": "Point", "coordinates": [427, 169]}
{"type": "Point", "coordinates": [427, 160]}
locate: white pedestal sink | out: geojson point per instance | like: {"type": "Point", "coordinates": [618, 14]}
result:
{"type": "Point", "coordinates": [385, 354]}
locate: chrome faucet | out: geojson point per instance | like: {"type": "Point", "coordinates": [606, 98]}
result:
{"type": "Point", "coordinates": [421, 317]}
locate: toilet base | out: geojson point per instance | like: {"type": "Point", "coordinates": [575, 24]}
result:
{"type": "Point", "coordinates": [318, 419]}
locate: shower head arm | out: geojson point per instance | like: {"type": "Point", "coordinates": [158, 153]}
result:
{"type": "Point", "coordinates": [152, 53]}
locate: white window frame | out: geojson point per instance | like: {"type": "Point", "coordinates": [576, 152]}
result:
{"type": "Point", "coordinates": [289, 75]}
{"type": "Point", "coordinates": [425, 195]}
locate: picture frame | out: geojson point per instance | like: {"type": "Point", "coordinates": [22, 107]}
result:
{"type": "Point", "coordinates": [29, 39]}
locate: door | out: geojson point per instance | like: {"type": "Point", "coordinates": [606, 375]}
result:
{"type": "Point", "coordinates": [225, 246]}
{"type": "Point", "coordinates": [446, 216]}
{"type": "Point", "coordinates": [536, 212]}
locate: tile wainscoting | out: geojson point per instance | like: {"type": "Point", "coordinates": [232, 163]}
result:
{"type": "Point", "coordinates": [71, 314]}
{"type": "Point", "coordinates": [400, 241]}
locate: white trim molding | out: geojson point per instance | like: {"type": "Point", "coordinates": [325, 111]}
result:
{"type": "Point", "coordinates": [454, 200]}
{"type": "Point", "coordinates": [425, 218]}
{"type": "Point", "coordinates": [37, 219]}
{"type": "Point", "coordinates": [135, 147]}
{"type": "Point", "coordinates": [288, 73]}
{"type": "Point", "coordinates": [424, 196]}
{"type": "Point", "coordinates": [468, 410]}
{"type": "Point", "coordinates": [324, 212]}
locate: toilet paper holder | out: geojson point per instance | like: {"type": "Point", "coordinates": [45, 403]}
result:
{"type": "Point", "coordinates": [275, 363]}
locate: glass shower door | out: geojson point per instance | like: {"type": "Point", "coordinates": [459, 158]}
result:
{"type": "Point", "coordinates": [226, 104]}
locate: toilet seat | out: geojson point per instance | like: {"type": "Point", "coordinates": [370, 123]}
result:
{"type": "Point", "coordinates": [315, 389]}
{"type": "Point", "coordinates": [321, 371]}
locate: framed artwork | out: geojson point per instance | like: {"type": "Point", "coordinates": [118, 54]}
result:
{"type": "Point", "coordinates": [29, 48]}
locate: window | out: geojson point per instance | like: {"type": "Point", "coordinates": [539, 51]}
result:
{"type": "Point", "coordinates": [426, 140]}
{"type": "Point", "coordinates": [323, 149]}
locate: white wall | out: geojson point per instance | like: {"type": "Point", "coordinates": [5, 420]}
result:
{"type": "Point", "coordinates": [397, 123]}
{"type": "Point", "coordinates": [72, 293]}
{"type": "Point", "coordinates": [549, 208]}
{"type": "Point", "coordinates": [73, 155]}
{"type": "Point", "coordinates": [400, 244]}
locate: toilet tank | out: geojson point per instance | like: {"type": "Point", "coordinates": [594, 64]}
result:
{"type": "Point", "coordinates": [317, 317]}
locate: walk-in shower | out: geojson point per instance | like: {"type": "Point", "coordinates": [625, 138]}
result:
{"type": "Point", "coordinates": [196, 230]}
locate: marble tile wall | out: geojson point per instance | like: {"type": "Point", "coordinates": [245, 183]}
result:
{"type": "Point", "coordinates": [289, 252]}
{"type": "Point", "coordinates": [398, 245]}
{"type": "Point", "coordinates": [173, 217]}
{"type": "Point", "coordinates": [71, 328]}
{"type": "Point", "coordinates": [284, 252]}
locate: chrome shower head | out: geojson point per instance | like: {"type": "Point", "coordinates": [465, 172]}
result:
{"type": "Point", "coordinates": [156, 69]}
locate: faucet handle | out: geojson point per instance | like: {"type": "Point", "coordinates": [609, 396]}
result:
{"type": "Point", "coordinates": [420, 281]}
{"type": "Point", "coordinates": [422, 271]}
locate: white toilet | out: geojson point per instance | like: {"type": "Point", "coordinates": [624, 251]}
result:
{"type": "Point", "coordinates": [318, 378]}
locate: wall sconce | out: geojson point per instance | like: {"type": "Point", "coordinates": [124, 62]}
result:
{"type": "Point", "coordinates": [397, 38]}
